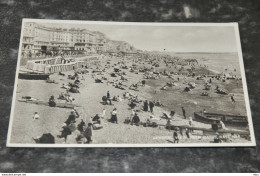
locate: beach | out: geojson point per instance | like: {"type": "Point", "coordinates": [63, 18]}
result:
{"type": "Point", "coordinates": [89, 99]}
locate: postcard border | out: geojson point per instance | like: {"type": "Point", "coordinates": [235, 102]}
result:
{"type": "Point", "coordinates": [252, 143]}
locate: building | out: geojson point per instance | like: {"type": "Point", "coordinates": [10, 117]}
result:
{"type": "Point", "coordinates": [41, 39]}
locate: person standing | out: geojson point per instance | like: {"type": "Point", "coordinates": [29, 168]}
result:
{"type": "Point", "coordinates": [114, 116]}
{"type": "Point", "coordinates": [145, 106]}
{"type": "Point", "coordinates": [183, 112]}
{"type": "Point", "coordinates": [103, 114]}
{"type": "Point", "coordinates": [108, 98]}
{"type": "Point", "coordinates": [108, 95]}
{"type": "Point", "coordinates": [190, 121]}
{"type": "Point", "coordinates": [187, 132]}
{"type": "Point", "coordinates": [175, 136]}
{"type": "Point", "coordinates": [151, 104]}
{"type": "Point", "coordinates": [168, 124]}
{"type": "Point", "coordinates": [132, 115]}
{"type": "Point", "coordinates": [232, 99]}
{"type": "Point", "coordinates": [143, 82]}
{"type": "Point", "coordinates": [88, 133]}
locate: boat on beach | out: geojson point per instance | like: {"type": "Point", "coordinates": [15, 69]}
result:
{"type": "Point", "coordinates": [228, 119]}
{"type": "Point", "coordinates": [33, 76]}
{"type": "Point", "coordinates": [25, 73]}
{"type": "Point", "coordinates": [46, 103]}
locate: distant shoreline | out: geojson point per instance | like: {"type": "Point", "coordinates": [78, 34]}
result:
{"type": "Point", "coordinates": [202, 52]}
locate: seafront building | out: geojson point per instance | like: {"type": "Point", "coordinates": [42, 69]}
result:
{"type": "Point", "coordinates": [38, 38]}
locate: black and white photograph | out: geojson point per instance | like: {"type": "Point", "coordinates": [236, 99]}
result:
{"type": "Point", "coordinates": [129, 84]}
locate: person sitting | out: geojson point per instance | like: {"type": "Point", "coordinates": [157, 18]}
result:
{"type": "Point", "coordinates": [77, 81]}
{"type": "Point", "coordinates": [172, 114]}
{"type": "Point", "coordinates": [65, 86]}
{"type": "Point", "coordinates": [158, 103]}
{"type": "Point", "coordinates": [74, 90]}
{"type": "Point", "coordinates": [29, 98]}
{"type": "Point", "coordinates": [72, 126]}
{"type": "Point", "coordinates": [65, 132]}
{"type": "Point", "coordinates": [62, 74]}
{"type": "Point", "coordinates": [214, 126]}
{"type": "Point", "coordinates": [151, 121]}
{"type": "Point", "coordinates": [97, 124]}
{"type": "Point", "coordinates": [119, 98]}
{"type": "Point", "coordinates": [46, 138]}
{"type": "Point", "coordinates": [52, 102]}
{"type": "Point", "coordinates": [217, 138]}
{"type": "Point", "coordinates": [126, 95]}
{"type": "Point", "coordinates": [132, 105]}
{"type": "Point", "coordinates": [69, 99]}
{"type": "Point", "coordinates": [72, 117]}
{"type": "Point", "coordinates": [96, 119]}
{"type": "Point", "coordinates": [81, 125]}
{"type": "Point", "coordinates": [135, 120]}
{"type": "Point", "coordinates": [115, 98]}
{"type": "Point", "coordinates": [50, 80]}
{"type": "Point", "coordinates": [222, 125]}
{"type": "Point", "coordinates": [143, 82]}
{"type": "Point", "coordinates": [36, 116]}
{"type": "Point", "coordinates": [62, 96]}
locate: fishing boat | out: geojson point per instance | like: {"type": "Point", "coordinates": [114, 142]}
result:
{"type": "Point", "coordinates": [228, 119]}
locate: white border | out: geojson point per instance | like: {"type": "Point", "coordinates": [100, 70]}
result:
{"type": "Point", "coordinates": [252, 143]}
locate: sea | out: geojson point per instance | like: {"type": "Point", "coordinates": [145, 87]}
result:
{"type": "Point", "coordinates": [216, 62]}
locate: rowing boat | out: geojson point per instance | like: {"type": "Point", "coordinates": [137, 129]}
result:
{"type": "Point", "coordinates": [228, 119]}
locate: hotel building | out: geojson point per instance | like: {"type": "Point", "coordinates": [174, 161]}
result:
{"type": "Point", "coordinates": [38, 38]}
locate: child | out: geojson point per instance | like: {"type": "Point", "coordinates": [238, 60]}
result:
{"type": "Point", "coordinates": [36, 116]}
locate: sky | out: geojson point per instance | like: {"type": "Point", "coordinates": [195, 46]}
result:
{"type": "Point", "coordinates": [166, 38]}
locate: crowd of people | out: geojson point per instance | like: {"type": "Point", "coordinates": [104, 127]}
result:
{"type": "Point", "coordinates": [83, 129]}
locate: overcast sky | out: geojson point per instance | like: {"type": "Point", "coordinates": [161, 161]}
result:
{"type": "Point", "coordinates": [170, 38]}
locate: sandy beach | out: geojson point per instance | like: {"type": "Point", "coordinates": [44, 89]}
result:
{"type": "Point", "coordinates": [90, 101]}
